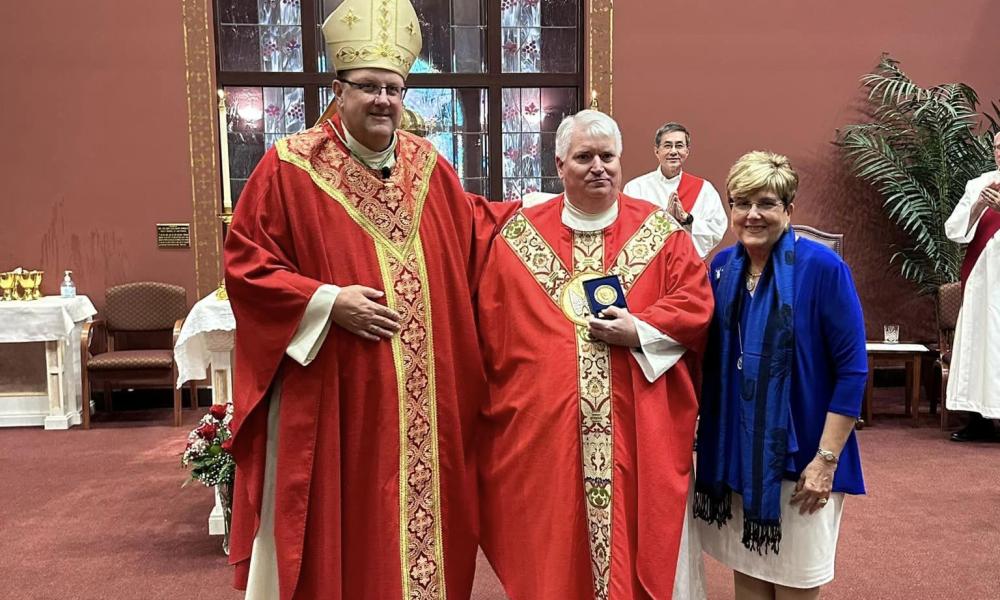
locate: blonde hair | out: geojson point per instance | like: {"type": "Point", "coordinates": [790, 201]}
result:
{"type": "Point", "coordinates": [760, 170]}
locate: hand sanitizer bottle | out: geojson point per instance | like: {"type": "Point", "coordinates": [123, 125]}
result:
{"type": "Point", "coordinates": [68, 288]}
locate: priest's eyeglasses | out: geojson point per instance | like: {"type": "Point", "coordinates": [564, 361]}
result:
{"type": "Point", "coordinates": [744, 206]}
{"type": "Point", "coordinates": [374, 90]}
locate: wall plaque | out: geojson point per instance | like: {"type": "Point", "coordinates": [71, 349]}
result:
{"type": "Point", "coordinates": [173, 235]}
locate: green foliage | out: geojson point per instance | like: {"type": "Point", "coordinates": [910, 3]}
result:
{"type": "Point", "coordinates": [918, 151]}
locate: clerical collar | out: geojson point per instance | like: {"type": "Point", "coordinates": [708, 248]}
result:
{"type": "Point", "coordinates": [675, 179]}
{"type": "Point", "coordinates": [373, 159]}
{"type": "Point", "coordinates": [578, 220]}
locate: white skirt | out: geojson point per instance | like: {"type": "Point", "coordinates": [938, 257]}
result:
{"type": "Point", "coordinates": [808, 547]}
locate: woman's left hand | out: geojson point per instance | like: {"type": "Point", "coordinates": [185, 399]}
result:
{"type": "Point", "coordinates": [812, 492]}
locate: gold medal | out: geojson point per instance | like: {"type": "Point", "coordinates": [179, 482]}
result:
{"type": "Point", "coordinates": [606, 295]}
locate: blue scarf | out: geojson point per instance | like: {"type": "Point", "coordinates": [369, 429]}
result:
{"type": "Point", "coordinates": [761, 409]}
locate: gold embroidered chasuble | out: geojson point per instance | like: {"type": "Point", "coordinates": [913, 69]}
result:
{"type": "Point", "coordinates": [563, 285]}
{"type": "Point", "coordinates": [389, 212]}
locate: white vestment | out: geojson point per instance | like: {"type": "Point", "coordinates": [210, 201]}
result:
{"type": "Point", "coordinates": [974, 379]}
{"type": "Point", "coordinates": [710, 220]}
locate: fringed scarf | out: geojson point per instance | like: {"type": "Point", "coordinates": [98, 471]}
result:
{"type": "Point", "coordinates": [760, 409]}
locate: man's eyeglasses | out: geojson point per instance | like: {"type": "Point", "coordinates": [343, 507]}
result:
{"type": "Point", "coordinates": [375, 90]}
{"type": "Point", "coordinates": [675, 145]}
{"type": "Point", "coordinates": [744, 206]}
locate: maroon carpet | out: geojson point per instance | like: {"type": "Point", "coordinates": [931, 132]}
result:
{"type": "Point", "coordinates": [101, 514]}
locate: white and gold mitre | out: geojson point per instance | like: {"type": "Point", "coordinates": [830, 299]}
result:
{"type": "Point", "coordinates": [374, 34]}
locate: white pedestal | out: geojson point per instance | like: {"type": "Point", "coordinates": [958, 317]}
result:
{"type": "Point", "coordinates": [216, 520]}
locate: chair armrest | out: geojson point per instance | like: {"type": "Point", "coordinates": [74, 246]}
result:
{"type": "Point", "coordinates": [93, 339]}
{"type": "Point", "coordinates": [177, 332]}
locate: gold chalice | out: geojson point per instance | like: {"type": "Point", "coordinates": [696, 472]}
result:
{"type": "Point", "coordinates": [7, 283]}
{"type": "Point", "coordinates": [27, 284]}
{"type": "Point", "coordinates": [36, 277]}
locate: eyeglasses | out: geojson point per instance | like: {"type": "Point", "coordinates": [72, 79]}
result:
{"type": "Point", "coordinates": [374, 90]}
{"type": "Point", "coordinates": [675, 145]}
{"type": "Point", "coordinates": [744, 206]}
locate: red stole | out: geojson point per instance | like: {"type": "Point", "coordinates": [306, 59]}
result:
{"type": "Point", "coordinates": [989, 224]}
{"type": "Point", "coordinates": [688, 190]}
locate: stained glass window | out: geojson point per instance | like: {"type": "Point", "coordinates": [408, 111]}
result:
{"type": "Point", "coordinates": [526, 71]}
{"type": "Point", "coordinates": [257, 117]}
{"type": "Point", "coordinates": [260, 35]}
{"type": "Point", "coordinates": [530, 119]}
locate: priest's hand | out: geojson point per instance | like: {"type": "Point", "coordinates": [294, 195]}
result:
{"type": "Point", "coordinates": [618, 330]}
{"type": "Point", "coordinates": [356, 311]}
{"type": "Point", "coordinates": [991, 198]}
{"type": "Point", "coordinates": [674, 207]}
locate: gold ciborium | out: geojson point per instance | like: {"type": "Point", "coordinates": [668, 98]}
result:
{"type": "Point", "coordinates": [8, 281]}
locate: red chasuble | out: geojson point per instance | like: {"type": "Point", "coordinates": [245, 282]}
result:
{"type": "Point", "coordinates": [688, 190]}
{"type": "Point", "coordinates": [584, 464]}
{"type": "Point", "coordinates": [375, 478]}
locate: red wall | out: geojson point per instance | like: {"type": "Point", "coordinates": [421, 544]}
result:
{"type": "Point", "coordinates": [95, 152]}
{"type": "Point", "coordinates": [783, 75]}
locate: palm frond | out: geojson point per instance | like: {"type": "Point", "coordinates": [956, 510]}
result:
{"type": "Point", "coordinates": [918, 152]}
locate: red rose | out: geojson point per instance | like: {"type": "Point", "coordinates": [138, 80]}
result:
{"type": "Point", "coordinates": [218, 411]}
{"type": "Point", "coordinates": [207, 431]}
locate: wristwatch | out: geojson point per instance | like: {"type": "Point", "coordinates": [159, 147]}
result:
{"type": "Point", "coordinates": [688, 220]}
{"type": "Point", "coordinates": [827, 456]}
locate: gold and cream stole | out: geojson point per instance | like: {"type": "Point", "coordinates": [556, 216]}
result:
{"type": "Point", "coordinates": [564, 286]}
{"type": "Point", "coordinates": [389, 212]}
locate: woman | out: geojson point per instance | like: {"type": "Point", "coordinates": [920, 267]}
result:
{"type": "Point", "coordinates": [784, 376]}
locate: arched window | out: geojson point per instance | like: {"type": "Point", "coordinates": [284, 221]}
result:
{"type": "Point", "coordinates": [526, 70]}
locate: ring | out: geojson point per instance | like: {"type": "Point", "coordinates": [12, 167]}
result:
{"type": "Point", "coordinates": [822, 501]}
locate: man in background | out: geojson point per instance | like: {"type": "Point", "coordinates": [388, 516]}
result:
{"type": "Point", "coordinates": [691, 200]}
{"type": "Point", "coordinates": [974, 378]}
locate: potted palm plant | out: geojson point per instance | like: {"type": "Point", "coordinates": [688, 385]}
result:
{"type": "Point", "coordinates": [918, 151]}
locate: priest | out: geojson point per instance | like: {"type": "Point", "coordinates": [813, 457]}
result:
{"type": "Point", "coordinates": [350, 265]}
{"type": "Point", "coordinates": [585, 449]}
{"type": "Point", "coordinates": [974, 380]}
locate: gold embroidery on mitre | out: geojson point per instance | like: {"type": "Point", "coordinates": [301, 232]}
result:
{"type": "Point", "coordinates": [382, 45]}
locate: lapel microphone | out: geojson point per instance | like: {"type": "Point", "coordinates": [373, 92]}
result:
{"type": "Point", "coordinates": [386, 172]}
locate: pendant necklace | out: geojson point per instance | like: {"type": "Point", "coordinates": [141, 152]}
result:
{"type": "Point", "coordinates": [752, 279]}
{"type": "Point", "coordinates": [739, 361]}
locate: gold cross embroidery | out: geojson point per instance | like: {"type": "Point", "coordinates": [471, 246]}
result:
{"type": "Point", "coordinates": [412, 28]}
{"type": "Point", "coordinates": [350, 18]}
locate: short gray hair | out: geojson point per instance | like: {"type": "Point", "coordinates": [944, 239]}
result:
{"type": "Point", "coordinates": [593, 122]}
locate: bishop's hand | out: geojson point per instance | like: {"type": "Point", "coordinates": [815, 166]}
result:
{"type": "Point", "coordinates": [356, 311]}
{"type": "Point", "coordinates": [618, 330]}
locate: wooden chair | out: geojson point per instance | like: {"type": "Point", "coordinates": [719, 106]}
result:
{"type": "Point", "coordinates": [949, 302]}
{"type": "Point", "coordinates": [833, 241]}
{"type": "Point", "coordinates": [133, 345]}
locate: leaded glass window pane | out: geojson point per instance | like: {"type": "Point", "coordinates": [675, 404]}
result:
{"type": "Point", "coordinates": [539, 36]}
{"type": "Point", "coordinates": [454, 35]}
{"type": "Point", "coordinates": [530, 119]}
{"type": "Point", "coordinates": [257, 117]}
{"type": "Point", "coordinates": [260, 35]}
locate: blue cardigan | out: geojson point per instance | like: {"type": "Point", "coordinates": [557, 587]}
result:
{"type": "Point", "coordinates": [831, 363]}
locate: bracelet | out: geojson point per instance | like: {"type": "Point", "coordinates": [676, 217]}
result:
{"type": "Point", "coordinates": [828, 456]}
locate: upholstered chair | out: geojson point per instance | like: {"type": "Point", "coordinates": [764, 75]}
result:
{"type": "Point", "coordinates": [833, 241]}
{"type": "Point", "coordinates": [949, 302]}
{"type": "Point", "coordinates": [132, 345]}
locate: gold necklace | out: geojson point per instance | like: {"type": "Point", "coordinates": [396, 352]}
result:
{"type": "Point", "coordinates": [752, 279]}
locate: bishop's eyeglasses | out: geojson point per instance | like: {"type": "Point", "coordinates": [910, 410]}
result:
{"type": "Point", "coordinates": [394, 92]}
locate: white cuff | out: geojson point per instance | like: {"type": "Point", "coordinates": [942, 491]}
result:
{"type": "Point", "coordinates": [314, 325]}
{"type": "Point", "coordinates": [658, 351]}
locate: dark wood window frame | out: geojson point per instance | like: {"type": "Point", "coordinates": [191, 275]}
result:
{"type": "Point", "coordinates": [493, 81]}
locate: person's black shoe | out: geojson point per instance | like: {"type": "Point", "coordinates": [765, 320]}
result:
{"type": "Point", "coordinates": [975, 432]}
